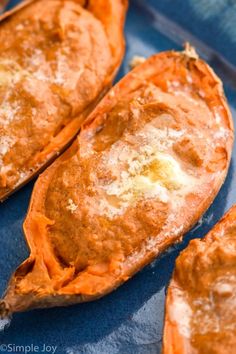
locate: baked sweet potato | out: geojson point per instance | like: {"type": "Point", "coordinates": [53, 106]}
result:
{"type": "Point", "coordinates": [148, 162]}
{"type": "Point", "coordinates": [200, 307]}
{"type": "Point", "coordinates": [57, 59]}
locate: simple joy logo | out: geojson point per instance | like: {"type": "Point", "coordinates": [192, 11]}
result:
{"type": "Point", "coordinates": [26, 349]}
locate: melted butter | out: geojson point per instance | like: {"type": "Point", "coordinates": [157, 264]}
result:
{"type": "Point", "coordinates": [149, 176]}
{"type": "Point", "coordinates": [142, 168]}
{"type": "Point", "coordinates": [166, 171]}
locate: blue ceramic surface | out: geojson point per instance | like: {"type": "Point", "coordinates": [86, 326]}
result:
{"type": "Point", "coordinates": [130, 319]}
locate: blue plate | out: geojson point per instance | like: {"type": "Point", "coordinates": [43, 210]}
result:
{"type": "Point", "coordinates": [130, 319]}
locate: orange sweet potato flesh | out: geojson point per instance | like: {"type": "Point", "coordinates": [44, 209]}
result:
{"type": "Point", "coordinates": [148, 162]}
{"type": "Point", "coordinates": [57, 59]}
{"type": "Point", "coordinates": [200, 307]}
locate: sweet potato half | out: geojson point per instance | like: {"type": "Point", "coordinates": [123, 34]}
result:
{"type": "Point", "coordinates": [57, 59]}
{"type": "Point", "coordinates": [148, 162]}
{"type": "Point", "coordinates": [201, 308]}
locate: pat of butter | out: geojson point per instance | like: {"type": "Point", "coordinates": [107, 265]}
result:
{"type": "Point", "coordinates": [167, 171]}
{"type": "Point", "coordinates": [152, 175]}
{"type": "Point", "coordinates": [144, 186]}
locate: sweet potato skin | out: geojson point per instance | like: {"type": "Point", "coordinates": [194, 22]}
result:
{"type": "Point", "coordinates": [46, 266]}
{"type": "Point", "coordinates": [210, 259]}
{"type": "Point", "coordinates": [14, 173]}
